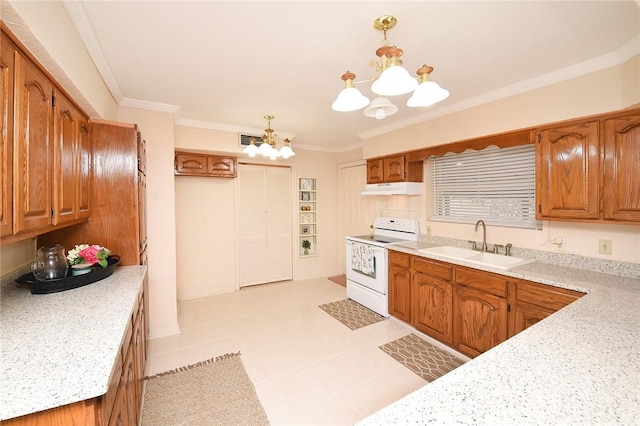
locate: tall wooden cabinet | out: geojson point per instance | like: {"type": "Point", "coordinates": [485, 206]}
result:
{"type": "Point", "coordinates": [117, 195]}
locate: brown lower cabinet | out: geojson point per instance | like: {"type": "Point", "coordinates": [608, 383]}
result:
{"type": "Point", "coordinates": [122, 403]}
{"type": "Point", "coordinates": [467, 309]}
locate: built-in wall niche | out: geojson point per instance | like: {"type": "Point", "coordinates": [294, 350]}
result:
{"type": "Point", "coordinates": [307, 225]}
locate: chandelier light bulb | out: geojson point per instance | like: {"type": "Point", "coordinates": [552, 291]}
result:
{"type": "Point", "coordinates": [380, 108]}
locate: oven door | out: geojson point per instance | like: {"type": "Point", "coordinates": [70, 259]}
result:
{"type": "Point", "coordinates": [375, 279]}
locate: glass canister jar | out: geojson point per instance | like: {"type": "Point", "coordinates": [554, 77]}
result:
{"type": "Point", "coordinates": [51, 263]}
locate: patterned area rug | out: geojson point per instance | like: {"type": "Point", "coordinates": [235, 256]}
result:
{"type": "Point", "coordinates": [213, 392]}
{"type": "Point", "coordinates": [424, 359]}
{"type": "Point", "coordinates": [351, 314]}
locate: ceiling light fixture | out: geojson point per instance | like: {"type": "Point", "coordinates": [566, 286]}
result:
{"type": "Point", "coordinates": [392, 79]}
{"type": "Point", "coordinates": [267, 146]}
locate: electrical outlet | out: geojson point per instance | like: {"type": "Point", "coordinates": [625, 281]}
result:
{"type": "Point", "coordinates": [605, 246]}
{"type": "Point", "coordinates": [428, 230]}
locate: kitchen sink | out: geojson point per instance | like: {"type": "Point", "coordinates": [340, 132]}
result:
{"type": "Point", "coordinates": [479, 258]}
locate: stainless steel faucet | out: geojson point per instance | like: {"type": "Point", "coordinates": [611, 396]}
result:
{"type": "Point", "coordinates": [484, 234]}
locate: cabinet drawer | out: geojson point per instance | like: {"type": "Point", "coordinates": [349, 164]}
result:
{"type": "Point", "coordinates": [545, 296]}
{"type": "Point", "coordinates": [399, 259]}
{"type": "Point", "coordinates": [433, 268]}
{"type": "Point", "coordinates": [485, 281]}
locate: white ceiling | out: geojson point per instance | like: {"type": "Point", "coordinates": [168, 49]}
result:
{"type": "Point", "coordinates": [226, 64]}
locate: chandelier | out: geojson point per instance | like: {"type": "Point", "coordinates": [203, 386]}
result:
{"type": "Point", "coordinates": [268, 145]}
{"type": "Point", "coordinates": [392, 79]}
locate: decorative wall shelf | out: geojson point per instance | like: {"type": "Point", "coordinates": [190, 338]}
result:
{"type": "Point", "coordinates": [307, 216]}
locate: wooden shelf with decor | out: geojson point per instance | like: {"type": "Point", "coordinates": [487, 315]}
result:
{"type": "Point", "coordinates": [307, 217]}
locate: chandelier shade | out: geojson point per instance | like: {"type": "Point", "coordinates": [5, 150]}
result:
{"type": "Point", "coordinates": [392, 79]}
{"type": "Point", "coordinates": [268, 146]}
{"type": "Point", "coordinates": [349, 98]}
{"type": "Point", "coordinates": [428, 92]}
{"type": "Point", "coordinates": [380, 108]}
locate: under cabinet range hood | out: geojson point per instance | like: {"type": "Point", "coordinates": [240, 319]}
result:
{"type": "Point", "coordinates": [393, 188]}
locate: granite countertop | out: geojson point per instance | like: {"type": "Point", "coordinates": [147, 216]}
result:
{"type": "Point", "coordinates": [581, 365]}
{"type": "Point", "coordinates": [60, 348]}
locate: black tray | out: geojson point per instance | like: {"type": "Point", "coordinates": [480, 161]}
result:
{"type": "Point", "coordinates": [67, 283]}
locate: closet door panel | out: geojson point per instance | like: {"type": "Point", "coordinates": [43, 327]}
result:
{"type": "Point", "coordinates": [264, 223]}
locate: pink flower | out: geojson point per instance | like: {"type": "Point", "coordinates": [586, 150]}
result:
{"type": "Point", "coordinates": [89, 254]}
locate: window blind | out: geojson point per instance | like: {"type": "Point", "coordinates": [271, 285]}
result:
{"type": "Point", "coordinates": [496, 185]}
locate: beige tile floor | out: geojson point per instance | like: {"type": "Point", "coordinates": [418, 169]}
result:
{"type": "Point", "coordinates": [307, 367]}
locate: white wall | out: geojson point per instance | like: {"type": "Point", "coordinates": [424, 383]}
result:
{"type": "Point", "coordinates": [206, 214]}
{"type": "Point", "coordinates": [157, 130]}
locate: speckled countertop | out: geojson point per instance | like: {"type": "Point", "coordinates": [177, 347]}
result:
{"type": "Point", "coordinates": [581, 365]}
{"type": "Point", "coordinates": [60, 348]}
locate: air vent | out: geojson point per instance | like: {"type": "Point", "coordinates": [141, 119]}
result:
{"type": "Point", "coordinates": [245, 139]}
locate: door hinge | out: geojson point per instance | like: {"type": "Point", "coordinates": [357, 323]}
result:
{"type": "Point", "coordinates": [508, 307]}
{"type": "Point", "coordinates": [539, 137]}
{"type": "Point", "coordinates": [53, 100]}
{"type": "Point", "coordinates": [539, 208]}
{"type": "Point", "coordinates": [53, 212]}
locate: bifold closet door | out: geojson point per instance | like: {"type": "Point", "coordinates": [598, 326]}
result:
{"type": "Point", "coordinates": [264, 221]}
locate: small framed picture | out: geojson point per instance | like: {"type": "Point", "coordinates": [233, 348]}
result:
{"type": "Point", "coordinates": [305, 229]}
{"type": "Point", "coordinates": [306, 196]}
{"type": "Point", "coordinates": [306, 183]}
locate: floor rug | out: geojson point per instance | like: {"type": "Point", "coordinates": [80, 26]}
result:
{"type": "Point", "coordinates": [213, 392]}
{"type": "Point", "coordinates": [351, 314]}
{"type": "Point", "coordinates": [339, 279]}
{"type": "Point", "coordinates": [424, 359]}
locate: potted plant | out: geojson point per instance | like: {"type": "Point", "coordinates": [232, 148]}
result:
{"type": "Point", "coordinates": [306, 245]}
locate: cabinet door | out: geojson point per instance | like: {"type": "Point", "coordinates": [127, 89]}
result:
{"type": "Point", "coordinates": [32, 147]}
{"type": "Point", "coordinates": [65, 161]}
{"type": "Point", "coordinates": [567, 185]}
{"type": "Point", "coordinates": [6, 136]}
{"type": "Point", "coordinates": [394, 169]}
{"type": "Point", "coordinates": [191, 164]}
{"type": "Point", "coordinates": [432, 307]}
{"type": "Point", "coordinates": [221, 166]}
{"type": "Point", "coordinates": [85, 168]}
{"type": "Point", "coordinates": [480, 321]}
{"type": "Point", "coordinates": [621, 177]}
{"type": "Point", "coordinates": [375, 171]}
{"type": "Point", "coordinates": [400, 292]}
{"type": "Point", "coordinates": [526, 315]}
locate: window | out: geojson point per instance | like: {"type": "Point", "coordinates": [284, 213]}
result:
{"type": "Point", "coordinates": [496, 185]}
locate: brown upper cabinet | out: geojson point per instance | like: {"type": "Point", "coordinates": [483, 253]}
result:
{"type": "Point", "coordinates": [7, 71]}
{"type": "Point", "coordinates": [46, 161]}
{"type": "Point", "coordinates": [201, 164]}
{"type": "Point", "coordinates": [621, 174]}
{"type": "Point", "coordinates": [586, 170]}
{"type": "Point", "coordinates": [395, 168]}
